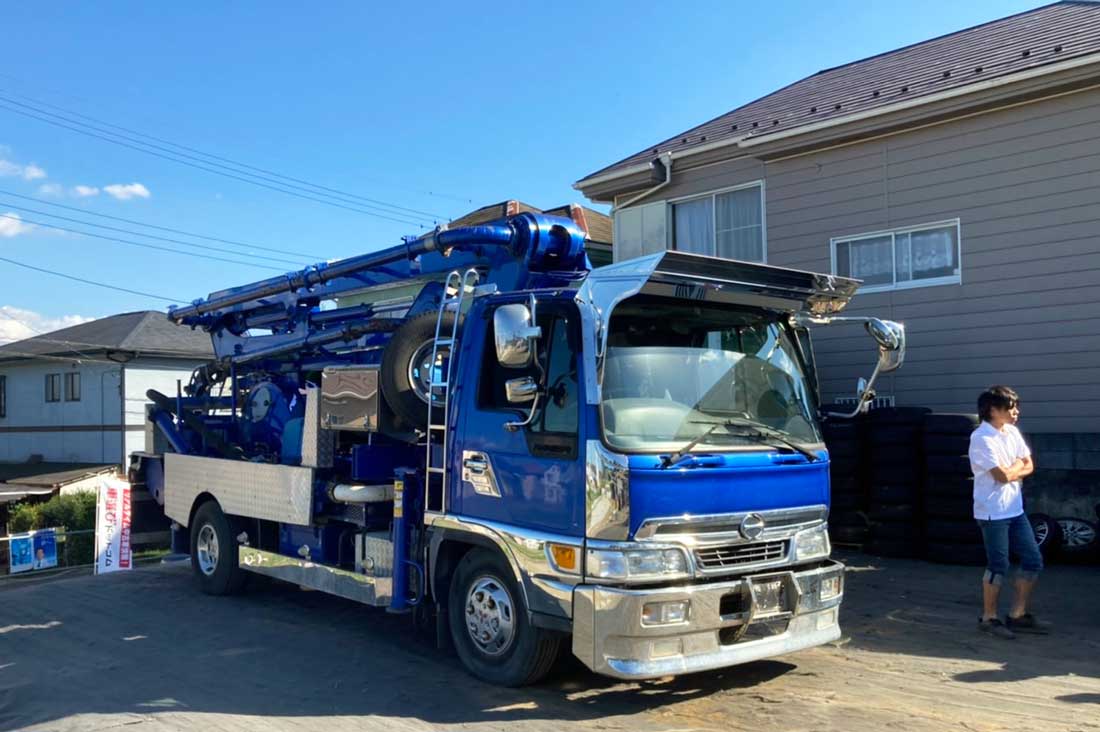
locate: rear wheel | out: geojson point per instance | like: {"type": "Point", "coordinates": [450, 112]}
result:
{"type": "Point", "coordinates": [214, 551]}
{"type": "Point", "coordinates": [489, 624]}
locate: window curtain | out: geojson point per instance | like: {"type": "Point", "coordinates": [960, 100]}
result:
{"type": "Point", "coordinates": [739, 232]}
{"type": "Point", "coordinates": [694, 222]}
{"type": "Point", "coordinates": [870, 260]}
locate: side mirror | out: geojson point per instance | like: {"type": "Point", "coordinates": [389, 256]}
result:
{"type": "Point", "coordinates": [521, 391]}
{"type": "Point", "coordinates": [890, 337]}
{"type": "Point", "coordinates": [514, 336]}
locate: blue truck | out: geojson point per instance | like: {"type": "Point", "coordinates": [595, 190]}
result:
{"type": "Point", "coordinates": [623, 462]}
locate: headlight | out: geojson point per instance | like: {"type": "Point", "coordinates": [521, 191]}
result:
{"type": "Point", "coordinates": [635, 565]}
{"type": "Point", "coordinates": [812, 544]}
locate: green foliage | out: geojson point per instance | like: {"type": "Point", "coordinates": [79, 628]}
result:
{"type": "Point", "coordinates": [73, 512]}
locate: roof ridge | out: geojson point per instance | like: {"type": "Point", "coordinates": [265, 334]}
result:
{"type": "Point", "coordinates": [952, 33]}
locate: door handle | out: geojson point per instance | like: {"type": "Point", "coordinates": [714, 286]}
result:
{"type": "Point", "coordinates": [474, 465]}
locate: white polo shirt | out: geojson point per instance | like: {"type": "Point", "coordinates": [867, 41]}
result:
{"type": "Point", "coordinates": [990, 448]}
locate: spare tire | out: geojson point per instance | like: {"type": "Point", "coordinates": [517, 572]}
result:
{"type": "Point", "coordinates": [406, 374]}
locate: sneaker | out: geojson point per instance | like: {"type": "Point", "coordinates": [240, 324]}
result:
{"type": "Point", "coordinates": [995, 628]}
{"type": "Point", "coordinates": [1027, 623]}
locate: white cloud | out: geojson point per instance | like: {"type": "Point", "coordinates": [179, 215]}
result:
{"type": "Point", "coordinates": [51, 189]}
{"type": "Point", "coordinates": [12, 225]}
{"type": "Point", "coordinates": [33, 172]}
{"type": "Point", "coordinates": [124, 192]}
{"type": "Point", "coordinates": [17, 324]}
{"type": "Point", "coordinates": [85, 191]}
{"type": "Point", "coordinates": [8, 169]}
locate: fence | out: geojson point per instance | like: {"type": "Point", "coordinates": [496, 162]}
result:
{"type": "Point", "coordinates": [76, 550]}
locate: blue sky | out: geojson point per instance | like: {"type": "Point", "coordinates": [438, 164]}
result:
{"type": "Point", "coordinates": [437, 107]}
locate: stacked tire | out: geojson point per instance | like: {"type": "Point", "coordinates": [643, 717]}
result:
{"type": "Point", "coordinates": [895, 459]}
{"type": "Point", "coordinates": [845, 440]}
{"type": "Point", "coordinates": [951, 534]}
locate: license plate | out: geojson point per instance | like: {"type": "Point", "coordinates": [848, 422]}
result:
{"type": "Point", "coordinates": [770, 596]}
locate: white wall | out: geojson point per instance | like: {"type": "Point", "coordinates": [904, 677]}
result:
{"type": "Point", "coordinates": [96, 430]}
{"type": "Point", "coordinates": [142, 376]}
{"type": "Point", "coordinates": [99, 405]}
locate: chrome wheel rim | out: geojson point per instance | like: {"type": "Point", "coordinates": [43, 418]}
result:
{"type": "Point", "coordinates": [421, 369]}
{"type": "Point", "coordinates": [490, 618]}
{"type": "Point", "coordinates": [206, 548]}
{"type": "Point", "coordinates": [1077, 533]}
{"type": "Point", "coordinates": [1042, 531]}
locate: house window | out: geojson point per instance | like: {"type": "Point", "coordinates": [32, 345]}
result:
{"type": "Point", "coordinates": [916, 256]}
{"type": "Point", "coordinates": [639, 230]}
{"type": "Point", "coordinates": [3, 396]}
{"type": "Point", "coordinates": [72, 386]}
{"type": "Point", "coordinates": [726, 224]}
{"type": "Point", "coordinates": [53, 387]}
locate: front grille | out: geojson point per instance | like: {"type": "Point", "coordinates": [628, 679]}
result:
{"type": "Point", "coordinates": [736, 555]}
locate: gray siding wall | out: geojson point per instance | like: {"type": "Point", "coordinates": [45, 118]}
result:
{"type": "Point", "coordinates": [1025, 184]}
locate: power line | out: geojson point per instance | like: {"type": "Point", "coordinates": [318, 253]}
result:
{"type": "Point", "coordinates": [155, 226]}
{"type": "Point", "coordinates": [148, 236]}
{"type": "Point", "coordinates": [92, 282]}
{"type": "Point", "coordinates": [219, 169]}
{"type": "Point", "coordinates": [435, 194]}
{"type": "Point", "coordinates": [141, 244]}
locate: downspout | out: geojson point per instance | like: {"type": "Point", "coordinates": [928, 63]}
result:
{"type": "Point", "coordinates": [667, 158]}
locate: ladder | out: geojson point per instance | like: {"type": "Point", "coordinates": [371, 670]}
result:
{"type": "Point", "coordinates": [439, 380]}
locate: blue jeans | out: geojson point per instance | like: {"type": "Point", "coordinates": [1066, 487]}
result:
{"type": "Point", "coordinates": [1012, 535]}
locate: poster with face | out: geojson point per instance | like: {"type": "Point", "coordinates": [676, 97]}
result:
{"type": "Point", "coordinates": [33, 550]}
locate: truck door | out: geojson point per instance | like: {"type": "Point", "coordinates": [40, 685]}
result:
{"type": "Point", "coordinates": [532, 476]}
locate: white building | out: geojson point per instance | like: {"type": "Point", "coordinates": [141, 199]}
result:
{"type": "Point", "coordinates": [77, 395]}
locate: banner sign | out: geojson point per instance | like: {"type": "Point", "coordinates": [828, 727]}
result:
{"type": "Point", "coordinates": [32, 550]}
{"type": "Point", "coordinates": [112, 526]}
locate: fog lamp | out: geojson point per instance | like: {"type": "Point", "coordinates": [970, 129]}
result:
{"type": "Point", "coordinates": [830, 587]}
{"type": "Point", "coordinates": [665, 613]}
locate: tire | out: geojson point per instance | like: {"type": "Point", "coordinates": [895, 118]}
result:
{"type": "Point", "coordinates": [1078, 539]}
{"type": "Point", "coordinates": [898, 416]}
{"type": "Point", "coordinates": [954, 508]}
{"type": "Point", "coordinates": [902, 512]}
{"type": "Point", "coordinates": [940, 531]}
{"type": "Point", "coordinates": [411, 340]}
{"type": "Point", "coordinates": [892, 548]}
{"type": "Point", "coordinates": [845, 501]}
{"type": "Point", "coordinates": [843, 451]}
{"type": "Point", "coordinates": [938, 485]}
{"type": "Point", "coordinates": [849, 534]}
{"type": "Point", "coordinates": [896, 474]}
{"type": "Point", "coordinates": [893, 494]}
{"type": "Point", "coordinates": [839, 430]}
{"type": "Point", "coordinates": [214, 551]}
{"type": "Point", "coordinates": [891, 435]}
{"type": "Point", "coordinates": [895, 454]}
{"type": "Point", "coordinates": [948, 464]}
{"type": "Point", "coordinates": [1048, 534]}
{"type": "Point", "coordinates": [970, 555]}
{"type": "Point", "coordinates": [527, 653]}
{"type": "Point", "coordinates": [951, 424]}
{"type": "Point", "coordinates": [935, 444]}
{"type": "Point", "coordinates": [906, 531]}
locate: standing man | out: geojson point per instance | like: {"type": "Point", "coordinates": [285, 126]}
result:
{"type": "Point", "coordinates": [1000, 460]}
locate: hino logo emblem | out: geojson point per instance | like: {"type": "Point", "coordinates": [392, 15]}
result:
{"type": "Point", "coordinates": [752, 526]}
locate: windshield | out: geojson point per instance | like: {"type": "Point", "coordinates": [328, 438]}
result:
{"type": "Point", "coordinates": [674, 370]}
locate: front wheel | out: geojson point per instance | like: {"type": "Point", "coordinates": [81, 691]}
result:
{"type": "Point", "coordinates": [214, 551]}
{"type": "Point", "coordinates": [489, 624]}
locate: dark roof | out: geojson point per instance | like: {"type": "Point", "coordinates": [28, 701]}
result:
{"type": "Point", "coordinates": [599, 224]}
{"type": "Point", "coordinates": [147, 332]}
{"type": "Point", "coordinates": [1010, 45]}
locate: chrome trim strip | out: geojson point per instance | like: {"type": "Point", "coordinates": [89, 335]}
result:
{"type": "Point", "coordinates": [606, 494]}
{"type": "Point", "coordinates": [331, 580]}
{"type": "Point", "coordinates": [694, 529]}
{"type": "Point", "coordinates": [545, 589]}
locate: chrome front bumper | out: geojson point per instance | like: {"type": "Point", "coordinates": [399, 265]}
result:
{"type": "Point", "coordinates": [728, 623]}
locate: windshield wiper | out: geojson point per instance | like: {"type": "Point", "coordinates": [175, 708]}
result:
{"type": "Point", "coordinates": [677, 456]}
{"type": "Point", "coordinates": [761, 432]}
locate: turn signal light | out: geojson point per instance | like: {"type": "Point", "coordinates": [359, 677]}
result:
{"type": "Point", "coordinates": [565, 557]}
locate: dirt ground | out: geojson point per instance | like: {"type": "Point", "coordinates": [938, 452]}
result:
{"type": "Point", "coordinates": [145, 651]}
